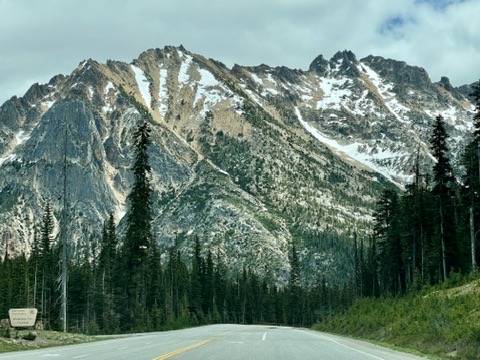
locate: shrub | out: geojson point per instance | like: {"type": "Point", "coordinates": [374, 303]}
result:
{"type": "Point", "coordinates": [30, 336]}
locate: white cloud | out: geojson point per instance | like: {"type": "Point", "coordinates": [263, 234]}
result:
{"type": "Point", "coordinates": [40, 39]}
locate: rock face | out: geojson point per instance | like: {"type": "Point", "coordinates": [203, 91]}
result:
{"type": "Point", "coordinates": [248, 159]}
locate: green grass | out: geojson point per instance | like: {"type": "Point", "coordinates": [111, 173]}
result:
{"type": "Point", "coordinates": [443, 321]}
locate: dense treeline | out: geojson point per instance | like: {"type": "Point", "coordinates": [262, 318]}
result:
{"type": "Point", "coordinates": [126, 286]}
{"type": "Point", "coordinates": [428, 232]}
{"type": "Point", "coordinates": [107, 295]}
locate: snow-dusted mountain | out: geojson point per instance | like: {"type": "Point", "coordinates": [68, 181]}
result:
{"type": "Point", "coordinates": [375, 111]}
{"type": "Point", "coordinates": [249, 159]}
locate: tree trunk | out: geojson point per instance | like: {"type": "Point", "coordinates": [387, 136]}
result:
{"type": "Point", "coordinates": [442, 235]}
{"type": "Point", "coordinates": [472, 239]}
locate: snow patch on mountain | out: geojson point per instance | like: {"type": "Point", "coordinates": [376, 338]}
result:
{"type": "Point", "coordinates": [90, 92]}
{"type": "Point", "coordinates": [109, 87]}
{"type": "Point", "coordinates": [163, 93]}
{"type": "Point", "coordinates": [333, 93]}
{"type": "Point", "coordinates": [384, 89]}
{"type": "Point", "coordinates": [143, 85]}
{"type": "Point", "coordinates": [108, 107]}
{"type": "Point", "coordinates": [47, 103]}
{"type": "Point", "coordinates": [8, 158]}
{"type": "Point", "coordinates": [21, 137]}
{"type": "Point", "coordinates": [267, 86]}
{"type": "Point", "coordinates": [207, 91]}
{"type": "Point", "coordinates": [355, 151]}
{"type": "Point", "coordinates": [183, 76]}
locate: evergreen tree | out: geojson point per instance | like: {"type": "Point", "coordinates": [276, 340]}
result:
{"type": "Point", "coordinates": [107, 265]}
{"type": "Point", "coordinates": [209, 286]}
{"type": "Point", "coordinates": [196, 283]}
{"type": "Point", "coordinates": [358, 260]}
{"type": "Point", "coordinates": [389, 245]}
{"type": "Point", "coordinates": [417, 229]}
{"type": "Point", "coordinates": [295, 297]}
{"type": "Point", "coordinates": [471, 180]}
{"type": "Point", "coordinates": [476, 118]}
{"type": "Point", "coordinates": [370, 269]}
{"type": "Point", "coordinates": [6, 285]}
{"type": "Point", "coordinates": [446, 199]}
{"type": "Point", "coordinates": [139, 239]}
{"type": "Point", "coordinates": [470, 196]}
{"type": "Point", "coordinates": [139, 242]}
{"type": "Point", "coordinates": [48, 263]}
{"type": "Point", "coordinates": [220, 285]}
{"type": "Point", "coordinates": [35, 266]}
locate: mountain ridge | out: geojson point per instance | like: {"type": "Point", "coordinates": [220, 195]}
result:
{"type": "Point", "coordinates": [301, 155]}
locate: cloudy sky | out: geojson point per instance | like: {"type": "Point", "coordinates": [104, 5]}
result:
{"type": "Point", "coordinates": [43, 38]}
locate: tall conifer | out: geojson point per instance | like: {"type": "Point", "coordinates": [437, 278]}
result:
{"type": "Point", "coordinates": [138, 241]}
{"type": "Point", "coordinates": [444, 192]}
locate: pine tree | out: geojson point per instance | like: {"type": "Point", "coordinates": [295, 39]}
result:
{"type": "Point", "coordinates": [106, 271]}
{"type": "Point", "coordinates": [471, 178]}
{"type": "Point", "coordinates": [209, 288]}
{"type": "Point", "coordinates": [6, 284]}
{"type": "Point", "coordinates": [35, 266]}
{"type": "Point", "coordinates": [196, 283]}
{"type": "Point", "coordinates": [139, 239]}
{"type": "Point", "coordinates": [417, 231]}
{"type": "Point", "coordinates": [388, 234]}
{"type": "Point", "coordinates": [221, 285]}
{"type": "Point", "coordinates": [470, 196]}
{"type": "Point", "coordinates": [476, 118]}
{"type": "Point", "coordinates": [139, 242]}
{"type": "Point", "coordinates": [47, 286]}
{"type": "Point", "coordinates": [370, 269]}
{"type": "Point", "coordinates": [445, 195]}
{"type": "Point", "coordinates": [295, 298]}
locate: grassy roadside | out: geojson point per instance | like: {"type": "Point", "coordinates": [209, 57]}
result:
{"type": "Point", "coordinates": [22, 340]}
{"type": "Point", "coordinates": [443, 320]}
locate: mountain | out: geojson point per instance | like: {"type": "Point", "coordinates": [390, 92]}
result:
{"type": "Point", "coordinates": [248, 159]}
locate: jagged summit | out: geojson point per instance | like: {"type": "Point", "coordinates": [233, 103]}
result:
{"type": "Point", "coordinates": [319, 65]}
{"type": "Point", "coordinates": [345, 55]}
{"type": "Point", "coordinates": [248, 159]}
{"type": "Point", "coordinates": [399, 72]}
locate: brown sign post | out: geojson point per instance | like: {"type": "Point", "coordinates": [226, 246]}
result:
{"type": "Point", "coordinates": [22, 318]}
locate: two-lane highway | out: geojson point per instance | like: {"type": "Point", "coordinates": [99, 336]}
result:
{"type": "Point", "coordinates": [232, 342]}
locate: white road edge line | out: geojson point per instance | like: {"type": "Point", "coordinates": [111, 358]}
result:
{"type": "Point", "coordinates": [351, 348]}
{"type": "Point", "coordinates": [264, 336]}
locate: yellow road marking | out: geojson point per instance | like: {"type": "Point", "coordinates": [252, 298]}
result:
{"type": "Point", "coordinates": [186, 348]}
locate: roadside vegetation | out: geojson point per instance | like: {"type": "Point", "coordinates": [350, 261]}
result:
{"type": "Point", "coordinates": [17, 340]}
{"type": "Point", "coordinates": [442, 320]}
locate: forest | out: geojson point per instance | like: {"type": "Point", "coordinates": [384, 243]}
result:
{"type": "Point", "coordinates": [428, 232]}
{"type": "Point", "coordinates": [124, 286]}
{"type": "Point", "coordinates": [420, 236]}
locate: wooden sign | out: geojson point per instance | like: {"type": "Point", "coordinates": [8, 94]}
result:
{"type": "Point", "coordinates": [22, 317]}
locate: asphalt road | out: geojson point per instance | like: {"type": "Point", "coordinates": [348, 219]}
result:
{"type": "Point", "coordinates": [225, 342]}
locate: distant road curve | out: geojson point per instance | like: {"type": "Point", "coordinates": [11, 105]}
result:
{"type": "Point", "coordinates": [222, 342]}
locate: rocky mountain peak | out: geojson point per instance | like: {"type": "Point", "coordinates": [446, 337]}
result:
{"type": "Point", "coordinates": [248, 159]}
{"type": "Point", "coordinates": [399, 72]}
{"type": "Point", "coordinates": [345, 55]}
{"type": "Point", "coordinates": [445, 84]}
{"type": "Point", "coordinates": [319, 65]}
{"type": "Point", "coordinates": [345, 64]}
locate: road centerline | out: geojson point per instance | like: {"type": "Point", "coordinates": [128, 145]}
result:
{"type": "Point", "coordinates": [187, 348]}
{"type": "Point", "coordinates": [264, 336]}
